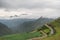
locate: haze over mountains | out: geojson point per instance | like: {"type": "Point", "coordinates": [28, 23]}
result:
{"type": "Point", "coordinates": [32, 25]}
{"type": "Point", "coordinates": [24, 25]}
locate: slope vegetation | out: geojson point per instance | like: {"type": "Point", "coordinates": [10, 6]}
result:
{"type": "Point", "coordinates": [56, 25]}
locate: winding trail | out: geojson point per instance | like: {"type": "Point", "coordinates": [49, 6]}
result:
{"type": "Point", "coordinates": [52, 31]}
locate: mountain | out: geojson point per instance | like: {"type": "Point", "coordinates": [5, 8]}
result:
{"type": "Point", "coordinates": [14, 23]}
{"type": "Point", "coordinates": [32, 25]}
{"type": "Point", "coordinates": [4, 30]}
{"type": "Point", "coordinates": [19, 25]}
{"type": "Point", "coordinates": [36, 35]}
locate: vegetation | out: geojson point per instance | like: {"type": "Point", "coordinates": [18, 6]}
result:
{"type": "Point", "coordinates": [56, 25]}
{"type": "Point", "coordinates": [22, 36]}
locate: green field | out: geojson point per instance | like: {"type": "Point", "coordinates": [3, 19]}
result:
{"type": "Point", "coordinates": [22, 36]}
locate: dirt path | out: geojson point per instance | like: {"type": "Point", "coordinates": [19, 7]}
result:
{"type": "Point", "coordinates": [52, 31]}
{"type": "Point", "coordinates": [44, 34]}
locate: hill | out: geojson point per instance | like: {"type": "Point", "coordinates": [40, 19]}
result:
{"type": "Point", "coordinates": [4, 30]}
{"type": "Point", "coordinates": [56, 25]}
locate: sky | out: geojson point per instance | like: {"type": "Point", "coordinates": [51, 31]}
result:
{"type": "Point", "coordinates": [33, 8]}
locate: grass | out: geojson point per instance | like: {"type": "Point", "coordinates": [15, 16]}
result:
{"type": "Point", "coordinates": [23, 36]}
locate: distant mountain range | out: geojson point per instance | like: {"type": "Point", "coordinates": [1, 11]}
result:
{"type": "Point", "coordinates": [32, 25]}
{"type": "Point", "coordinates": [14, 23]}
{"type": "Point", "coordinates": [21, 25]}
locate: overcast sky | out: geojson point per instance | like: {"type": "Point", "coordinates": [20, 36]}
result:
{"type": "Point", "coordinates": [33, 8]}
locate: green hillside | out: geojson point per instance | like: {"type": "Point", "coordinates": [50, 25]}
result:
{"type": "Point", "coordinates": [56, 25]}
{"type": "Point", "coordinates": [25, 36]}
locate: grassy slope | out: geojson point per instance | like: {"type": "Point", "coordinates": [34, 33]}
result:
{"type": "Point", "coordinates": [23, 36]}
{"type": "Point", "coordinates": [56, 25]}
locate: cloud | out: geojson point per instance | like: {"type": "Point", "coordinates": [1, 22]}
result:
{"type": "Point", "coordinates": [29, 4]}
{"type": "Point", "coordinates": [48, 8]}
{"type": "Point", "coordinates": [32, 13]}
